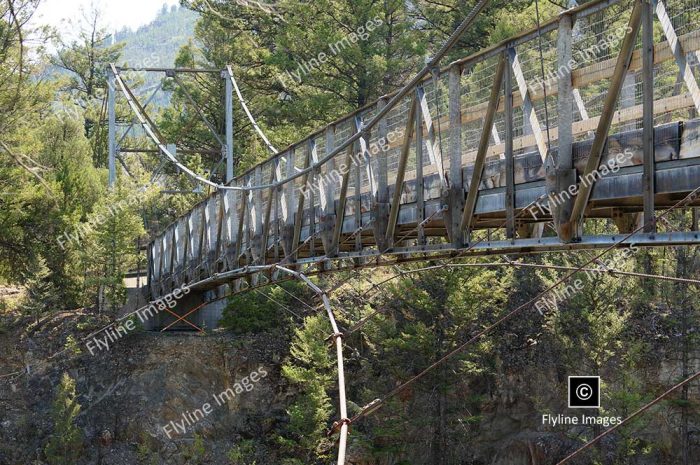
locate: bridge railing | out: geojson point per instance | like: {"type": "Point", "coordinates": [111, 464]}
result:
{"type": "Point", "coordinates": [533, 109]}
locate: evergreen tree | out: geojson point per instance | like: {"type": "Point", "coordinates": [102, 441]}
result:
{"type": "Point", "coordinates": [111, 247]}
{"type": "Point", "coordinates": [498, 21]}
{"type": "Point", "coordinates": [428, 315]}
{"type": "Point", "coordinates": [64, 446]}
{"type": "Point", "coordinates": [311, 369]}
{"type": "Point", "coordinates": [86, 59]}
{"type": "Point", "coordinates": [41, 292]}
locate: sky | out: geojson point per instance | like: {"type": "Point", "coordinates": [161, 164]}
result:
{"type": "Point", "coordinates": [117, 13]}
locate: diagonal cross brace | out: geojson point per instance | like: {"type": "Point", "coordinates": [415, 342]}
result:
{"type": "Point", "coordinates": [401, 173]}
{"type": "Point", "coordinates": [480, 161]}
{"type": "Point", "coordinates": [527, 103]}
{"type": "Point", "coordinates": [183, 318]}
{"type": "Point", "coordinates": [365, 155]}
{"type": "Point", "coordinates": [433, 145]}
{"type": "Point", "coordinates": [606, 117]}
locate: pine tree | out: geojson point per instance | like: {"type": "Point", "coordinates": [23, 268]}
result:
{"type": "Point", "coordinates": [116, 226]}
{"type": "Point", "coordinates": [66, 442]}
{"type": "Point", "coordinates": [310, 368]}
{"type": "Point", "coordinates": [41, 292]}
{"type": "Point", "coordinates": [86, 59]}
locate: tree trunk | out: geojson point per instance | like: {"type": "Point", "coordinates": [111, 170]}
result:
{"type": "Point", "coordinates": [439, 443]}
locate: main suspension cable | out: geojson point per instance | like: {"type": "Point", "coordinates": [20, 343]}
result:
{"type": "Point", "coordinates": [248, 113]}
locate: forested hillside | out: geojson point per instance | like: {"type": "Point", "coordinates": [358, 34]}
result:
{"type": "Point", "coordinates": [157, 44]}
{"type": "Point", "coordinates": [73, 261]}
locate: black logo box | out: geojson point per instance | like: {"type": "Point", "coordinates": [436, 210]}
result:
{"type": "Point", "coordinates": [584, 391]}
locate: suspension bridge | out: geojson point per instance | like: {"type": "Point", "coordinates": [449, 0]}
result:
{"type": "Point", "coordinates": [527, 146]}
{"type": "Point", "coordinates": [511, 140]}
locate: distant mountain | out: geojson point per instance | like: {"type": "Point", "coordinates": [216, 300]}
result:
{"type": "Point", "coordinates": [156, 44]}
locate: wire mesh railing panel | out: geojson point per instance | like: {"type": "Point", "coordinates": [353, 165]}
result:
{"type": "Point", "coordinates": [673, 98]}
{"type": "Point", "coordinates": [353, 181]}
{"type": "Point", "coordinates": [155, 256]}
{"type": "Point", "coordinates": [375, 155]}
{"type": "Point", "coordinates": [237, 218]}
{"type": "Point", "coordinates": [344, 130]}
{"type": "Point", "coordinates": [432, 110]}
{"type": "Point", "coordinates": [229, 219]}
{"type": "Point", "coordinates": [279, 198]}
{"type": "Point", "coordinates": [319, 145]}
{"type": "Point", "coordinates": [298, 155]}
{"type": "Point", "coordinates": [440, 112]}
{"type": "Point", "coordinates": [341, 165]}
{"type": "Point", "coordinates": [476, 84]}
{"type": "Point", "coordinates": [684, 15]}
{"type": "Point", "coordinates": [267, 198]}
{"type": "Point", "coordinates": [248, 217]}
{"type": "Point", "coordinates": [212, 211]}
{"type": "Point", "coordinates": [180, 243]}
{"type": "Point", "coordinates": [167, 250]}
{"type": "Point", "coordinates": [302, 160]}
{"type": "Point", "coordinates": [396, 121]}
{"type": "Point", "coordinates": [367, 163]}
{"type": "Point", "coordinates": [327, 179]}
{"type": "Point", "coordinates": [596, 43]}
{"type": "Point", "coordinates": [195, 233]}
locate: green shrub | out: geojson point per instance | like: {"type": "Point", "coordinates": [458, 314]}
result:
{"type": "Point", "coordinates": [263, 310]}
{"type": "Point", "coordinates": [145, 451]}
{"type": "Point", "coordinates": [242, 453]}
{"type": "Point", "coordinates": [196, 453]}
{"type": "Point", "coordinates": [72, 345]}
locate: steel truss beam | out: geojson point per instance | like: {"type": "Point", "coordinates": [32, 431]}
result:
{"type": "Point", "coordinates": [310, 266]}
